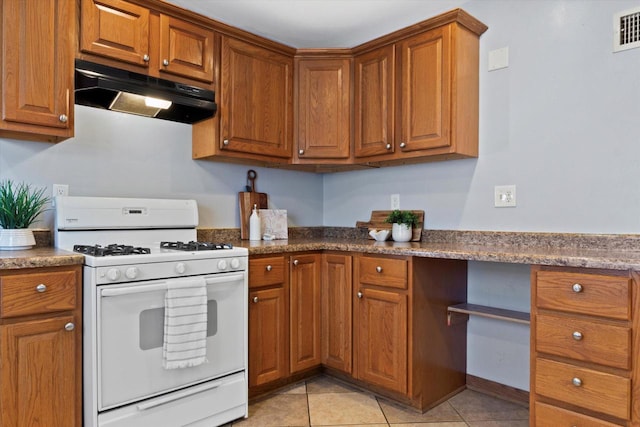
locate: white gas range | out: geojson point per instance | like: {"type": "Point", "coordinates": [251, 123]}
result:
{"type": "Point", "coordinates": [135, 251]}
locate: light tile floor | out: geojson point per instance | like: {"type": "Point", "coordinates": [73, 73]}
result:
{"type": "Point", "coordinates": [324, 401]}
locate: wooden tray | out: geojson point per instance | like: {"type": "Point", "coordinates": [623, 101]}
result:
{"type": "Point", "coordinates": [377, 223]}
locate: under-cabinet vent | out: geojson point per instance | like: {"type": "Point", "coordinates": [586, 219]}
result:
{"type": "Point", "coordinates": [626, 27]}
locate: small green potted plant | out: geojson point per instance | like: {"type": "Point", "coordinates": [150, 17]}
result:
{"type": "Point", "coordinates": [403, 222]}
{"type": "Point", "coordinates": [20, 205]}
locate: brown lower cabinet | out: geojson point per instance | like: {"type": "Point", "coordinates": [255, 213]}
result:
{"type": "Point", "coordinates": [268, 320]}
{"type": "Point", "coordinates": [583, 338]}
{"type": "Point", "coordinates": [41, 347]}
{"type": "Point", "coordinates": [380, 322]}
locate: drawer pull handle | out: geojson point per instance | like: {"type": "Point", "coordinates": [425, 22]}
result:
{"type": "Point", "coordinates": [255, 299]}
{"type": "Point", "coordinates": [577, 288]}
{"type": "Point", "coordinates": [296, 262]}
{"type": "Point", "coordinates": [577, 336]}
{"type": "Point", "coordinates": [41, 287]}
{"type": "Point", "coordinates": [577, 382]}
{"type": "Point", "coordinates": [69, 327]}
{"type": "Point", "coordinates": [359, 294]}
{"type": "Point", "coordinates": [269, 267]}
{"type": "Point", "coordinates": [379, 269]}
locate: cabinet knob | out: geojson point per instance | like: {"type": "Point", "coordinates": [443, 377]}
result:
{"type": "Point", "coordinates": [388, 146]}
{"type": "Point", "coordinates": [63, 118]}
{"type": "Point", "coordinates": [359, 294]}
{"type": "Point", "coordinates": [69, 326]}
{"type": "Point", "coordinates": [577, 336]}
{"type": "Point", "coordinates": [577, 288]}
{"type": "Point", "coordinates": [165, 62]}
{"type": "Point", "coordinates": [225, 142]}
{"type": "Point", "coordinates": [301, 152]}
{"type": "Point", "coordinates": [145, 58]}
{"type": "Point", "coordinates": [255, 299]}
{"type": "Point", "coordinates": [269, 268]}
{"type": "Point", "coordinates": [296, 262]}
{"type": "Point", "coordinates": [379, 269]}
{"type": "Point", "coordinates": [577, 382]}
{"type": "Point", "coordinates": [41, 287]}
{"type": "Point", "coordinates": [403, 144]}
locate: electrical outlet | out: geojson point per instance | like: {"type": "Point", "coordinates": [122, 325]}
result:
{"type": "Point", "coordinates": [504, 196]}
{"type": "Point", "coordinates": [395, 201]}
{"type": "Point", "coordinates": [59, 190]}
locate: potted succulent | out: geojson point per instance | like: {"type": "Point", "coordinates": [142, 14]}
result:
{"type": "Point", "coordinates": [403, 222]}
{"type": "Point", "coordinates": [20, 205]}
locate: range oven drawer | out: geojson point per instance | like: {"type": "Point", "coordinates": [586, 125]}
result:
{"type": "Point", "coordinates": [209, 404]}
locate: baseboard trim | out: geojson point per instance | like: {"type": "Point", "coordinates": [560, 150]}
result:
{"type": "Point", "coordinates": [492, 388]}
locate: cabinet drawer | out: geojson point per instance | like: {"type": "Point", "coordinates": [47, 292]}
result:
{"type": "Point", "coordinates": [387, 272]}
{"type": "Point", "coordinates": [552, 416]}
{"type": "Point", "coordinates": [24, 294]}
{"type": "Point", "coordinates": [597, 391]}
{"type": "Point", "coordinates": [266, 271]}
{"type": "Point", "coordinates": [590, 341]}
{"type": "Point", "coordinates": [598, 295]}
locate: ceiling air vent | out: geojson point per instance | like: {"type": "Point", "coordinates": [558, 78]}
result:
{"type": "Point", "coordinates": [626, 27]}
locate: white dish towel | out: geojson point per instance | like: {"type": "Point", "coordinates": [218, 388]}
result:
{"type": "Point", "coordinates": [185, 323]}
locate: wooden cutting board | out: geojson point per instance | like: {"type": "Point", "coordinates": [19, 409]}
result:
{"type": "Point", "coordinates": [246, 200]}
{"type": "Point", "coordinates": [377, 223]}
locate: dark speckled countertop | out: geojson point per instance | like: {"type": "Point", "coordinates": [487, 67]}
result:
{"type": "Point", "coordinates": [608, 251]}
{"type": "Point", "coordinates": [38, 257]}
{"type": "Point", "coordinates": [618, 252]}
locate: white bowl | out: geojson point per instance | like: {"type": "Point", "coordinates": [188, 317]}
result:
{"type": "Point", "coordinates": [379, 235]}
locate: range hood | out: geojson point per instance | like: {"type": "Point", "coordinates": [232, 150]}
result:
{"type": "Point", "coordinates": [120, 90]}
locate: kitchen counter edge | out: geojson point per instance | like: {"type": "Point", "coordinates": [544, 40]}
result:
{"type": "Point", "coordinates": [534, 255]}
{"type": "Point", "coordinates": [38, 257]}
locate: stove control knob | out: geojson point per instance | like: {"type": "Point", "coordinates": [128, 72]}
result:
{"type": "Point", "coordinates": [222, 264]}
{"type": "Point", "coordinates": [235, 263]}
{"type": "Point", "coordinates": [131, 273]}
{"type": "Point", "coordinates": [180, 268]}
{"type": "Point", "coordinates": [113, 274]}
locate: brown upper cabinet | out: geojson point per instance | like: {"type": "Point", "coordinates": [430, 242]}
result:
{"type": "Point", "coordinates": [416, 99]}
{"type": "Point", "coordinates": [374, 102]}
{"type": "Point", "coordinates": [254, 122]}
{"type": "Point", "coordinates": [36, 88]}
{"type": "Point", "coordinates": [157, 43]}
{"type": "Point", "coordinates": [323, 107]}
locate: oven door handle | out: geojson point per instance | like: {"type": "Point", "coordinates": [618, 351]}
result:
{"type": "Point", "coordinates": [180, 395]}
{"type": "Point", "coordinates": [138, 289]}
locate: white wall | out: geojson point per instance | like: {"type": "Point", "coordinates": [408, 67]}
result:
{"type": "Point", "coordinates": [122, 155]}
{"type": "Point", "coordinates": [562, 123]}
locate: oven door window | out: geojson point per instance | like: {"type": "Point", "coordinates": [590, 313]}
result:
{"type": "Point", "coordinates": [130, 333]}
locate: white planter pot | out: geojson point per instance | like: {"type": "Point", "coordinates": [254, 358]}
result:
{"type": "Point", "coordinates": [14, 240]}
{"type": "Point", "coordinates": [401, 232]}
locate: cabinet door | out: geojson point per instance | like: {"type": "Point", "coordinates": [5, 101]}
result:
{"type": "Point", "coordinates": [324, 109]}
{"type": "Point", "coordinates": [268, 337]}
{"type": "Point", "coordinates": [37, 72]}
{"type": "Point", "coordinates": [186, 49]}
{"type": "Point", "coordinates": [336, 311]}
{"type": "Point", "coordinates": [116, 29]}
{"type": "Point", "coordinates": [382, 338]}
{"type": "Point", "coordinates": [38, 371]}
{"type": "Point", "coordinates": [305, 311]}
{"type": "Point", "coordinates": [256, 98]}
{"type": "Point", "coordinates": [374, 102]}
{"type": "Point", "coordinates": [426, 90]}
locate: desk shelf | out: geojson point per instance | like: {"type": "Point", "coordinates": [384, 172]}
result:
{"type": "Point", "coordinates": [464, 310]}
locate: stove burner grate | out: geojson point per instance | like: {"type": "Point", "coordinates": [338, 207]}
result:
{"type": "Point", "coordinates": [109, 250]}
{"type": "Point", "coordinates": [195, 246]}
